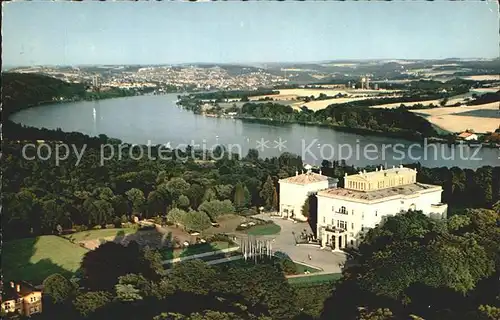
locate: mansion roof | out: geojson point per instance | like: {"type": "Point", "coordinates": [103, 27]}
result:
{"type": "Point", "coordinates": [382, 173]}
{"type": "Point", "coordinates": [9, 290]}
{"type": "Point", "coordinates": [305, 178]}
{"type": "Point", "coordinates": [403, 190]}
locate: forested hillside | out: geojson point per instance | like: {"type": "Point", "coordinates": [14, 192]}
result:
{"type": "Point", "coordinates": [23, 90]}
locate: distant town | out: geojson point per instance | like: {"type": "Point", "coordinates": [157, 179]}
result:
{"type": "Point", "coordinates": [204, 77]}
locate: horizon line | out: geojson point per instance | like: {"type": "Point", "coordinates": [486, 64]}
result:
{"type": "Point", "coordinates": [251, 62]}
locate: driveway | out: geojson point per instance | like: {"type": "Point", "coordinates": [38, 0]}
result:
{"type": "Point", "coordinates": [324, 259]}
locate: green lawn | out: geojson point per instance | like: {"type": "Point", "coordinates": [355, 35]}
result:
{"type": "Point", "coordinates": [320, 278]}
{"type": "Point", "coordinates": [264, 229]}
{"type": "Point", "coordinates": [99, 234]}
{"type": "Point", "coordinates": [33, 259]}
{"type": "Point", "coordinates": [196, 249]}
{"type": "Point", "coordinates": [303, 268]}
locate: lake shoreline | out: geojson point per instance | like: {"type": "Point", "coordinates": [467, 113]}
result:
{"type": "Point", "coordinates": [361, 131]}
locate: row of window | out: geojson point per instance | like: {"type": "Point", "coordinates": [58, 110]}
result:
{"type": "Point", "coordinates": [34, 309]}
{"type": "Point", "coordinates": [357, 185]}
{"type": "Point", "coordinates": [342, 210]}
{"type": "Point", "coordinates": [340, 224]}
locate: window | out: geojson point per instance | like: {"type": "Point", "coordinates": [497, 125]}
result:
{"type": "Point", "coordinates": [37, 309]}
{"type": "Point", "coordinates": [343, 210]}
{"type": "Point", "coordinates": [376, 213]}
{"type": "Point", "coordinates": [333, 209]}
{"type": "Point", "coordinates": [342, 224]}
{"type": "Point", "coordinates": [324, 220]}
{"type": "Point", "coordinates": [333, 222]}
{"type": "Point", "coordinates": [352, 212]}
{"type": "Point", "coordinates": [352, 226]}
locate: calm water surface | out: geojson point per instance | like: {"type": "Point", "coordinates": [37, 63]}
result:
{"type": "Point", "coordinates": [157, 119]}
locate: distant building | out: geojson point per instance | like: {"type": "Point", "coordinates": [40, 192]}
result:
{"type": "Point", "coordinates": [344, 214]}
{"type": "Point", "coordinates": [21, 298]}
{"type": "Point", "coordinates": [467, 136]}
{"type": "Point", "coordinates": [295, 190]}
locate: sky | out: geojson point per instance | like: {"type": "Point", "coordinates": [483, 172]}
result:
{"type": "Point", "coordinates": [80, 33]}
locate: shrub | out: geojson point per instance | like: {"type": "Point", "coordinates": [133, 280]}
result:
{"type": "Point", "coordinates": [220, 237]}
{"type": "Point", "coordinates": [248, 212]}
{"type": "Point", "coordinates": [130, 225]}
{"type": "Point", "coordinates": [110, 226]}
{"type": "Point", "coordinates": [96, 227]}
{"type": "Point", "coordinates": [81, 228]}
{"type": "Point", "coordinates": [158, 220]}
{"type": "Point", "coordinates": [117, 223]}
{"type": "Point", "coordinates": [216, 208]}
{"type": "Point", "coordinates": [147, 227]}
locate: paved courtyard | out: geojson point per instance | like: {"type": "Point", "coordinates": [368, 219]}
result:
{"type": "Point", "coordinates": [324, 259]}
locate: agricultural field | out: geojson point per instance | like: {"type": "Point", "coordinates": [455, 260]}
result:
{"type": "Point", "coordinates": [453, 119]}
{"type": "Point", "coordinates": [322, 104]}
{"type": "Point", "coordinates": [34, 259]}
{"type": "Point", "coordinates": [485, 90]}
{"type": "Point", "coordinates": [423, 102]}
{"type": "Point", "coordinates": [484, 77]}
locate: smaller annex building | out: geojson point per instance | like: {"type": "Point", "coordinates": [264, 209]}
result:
{"type": "Point", "coordinates": [21, 298]}
{"type": "Point", "coordinates": [344, 214]}
{"type": "Point", "coordinates": [293, 192]}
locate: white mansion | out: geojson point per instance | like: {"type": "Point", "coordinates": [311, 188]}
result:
{"type": "Point", "coordinates": [344, 214]}
{"type": "Point", "coordinates": [295, 190]}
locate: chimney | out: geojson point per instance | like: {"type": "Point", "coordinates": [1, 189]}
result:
{"type": "Point", "coordinates": [345, 175]}
{"type": "Point", "coordinates": [393, 166]}
{"type": "Point", "coordinates": [401, 166]}
{"type": "Point", "coordinates": [18, 288]}
{"type": "Point", "coordinates": [12, 284]}
{"type": "Point", "coordinates": [296, 173]}
{"type": "Point", "coordinates": [320, 172]}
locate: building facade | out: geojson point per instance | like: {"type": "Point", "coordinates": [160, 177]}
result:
{"type": "Point", "coordinates": [295, 190]}
{"type": "Point", "coordinates": [344, 214]}
{"type": "Point", "coordinates": [21, 298]}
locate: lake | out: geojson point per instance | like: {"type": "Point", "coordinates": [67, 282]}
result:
{"type": "Point", "coordinates": [157, 120]}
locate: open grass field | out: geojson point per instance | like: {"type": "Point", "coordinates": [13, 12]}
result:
{"type": "Point", "coordinates": [302, 268]}
{"type": "Point", "coordinates": [314, 279]}
{"type": "Point", "coordinates": [451, 118]}
{"type": "Point", "coordinates": [263, 229]}
{"type": "Point", "coordinates": [192, 250]}
{"type": "Point", "coordinates": [227, 224]}
{"type": "Point", "coordinates": [99, 234]}
{"type": "Point", "coordinates": [33, 259]}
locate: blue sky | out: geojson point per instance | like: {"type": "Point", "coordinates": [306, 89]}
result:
{"type": "Point", "coordinates": [72, 33]}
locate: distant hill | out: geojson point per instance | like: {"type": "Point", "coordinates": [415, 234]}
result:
{"type": "Point", "coordinates": [24, 90]}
